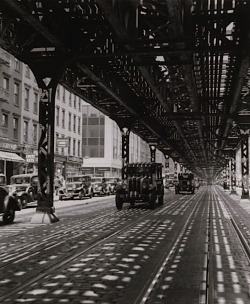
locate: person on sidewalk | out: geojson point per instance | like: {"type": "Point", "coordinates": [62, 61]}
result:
{"type": "Point", "coordinates": [57, 184]}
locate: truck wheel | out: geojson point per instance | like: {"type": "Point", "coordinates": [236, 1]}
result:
{"type": "Point", "coordinates": [160, 200]}
{"type": "Point", "coordinates": [152, 199]}
{"type": "Point", "coordinates": [9, 216]}
{"type": "Point", "coordinates": [118, 202]}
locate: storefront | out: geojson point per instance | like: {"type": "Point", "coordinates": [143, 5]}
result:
{"type": "Point", "coordinates": [10, 162]}
{"type": "Point", "coordinates": [73, 165]}
{"type": "Point", "coordinates": [101, 171]}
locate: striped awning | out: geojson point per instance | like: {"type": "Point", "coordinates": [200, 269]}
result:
{"type": "Point", "coordinates": [11, 157]}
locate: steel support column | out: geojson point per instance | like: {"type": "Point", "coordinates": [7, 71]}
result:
{"type": "Point", "coordinates": [245, 166]}
{"type": "Point", "coordinates": [45, 212]}
{"type": "Point", "coordinates": [125, 151]}
{"type": "Point", "coordinates": [233, 173]}
{"type": "Point", "coordinates": [175, 170]}
{"type": "Point", "coordinates": [152, 152]}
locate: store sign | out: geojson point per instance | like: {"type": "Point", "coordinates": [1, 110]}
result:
{"type": "Point", "coordinates": [9, 146]}
{"type": "Point", "coordinates": [62, 142]}
{"type": "Point", "coordinates": [31, 158]}
{"type": "Point", "coordinates": [75, 159]}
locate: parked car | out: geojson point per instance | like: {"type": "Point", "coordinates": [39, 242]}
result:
{"type": "Point", "coordinates": [144, 183]}
{"type": "Point", "coordinates": [8, 204]}
{"type": "Point", "coordinates": [76, 186]}
{"type": "Point", "coordinates": [112, 183]}
{"type": "Point", "coordinates": [100, 186]}
{"type": "Point", "coordinates": [24, 188]}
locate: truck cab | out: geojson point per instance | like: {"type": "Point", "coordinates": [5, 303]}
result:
{"type": "Point", "coordinates": [144, 183]}
{"type": "Point", "coordinates": [185, 183]}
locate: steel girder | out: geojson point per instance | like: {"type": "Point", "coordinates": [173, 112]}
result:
{"type": "Point", "coordinates": [178, 69]}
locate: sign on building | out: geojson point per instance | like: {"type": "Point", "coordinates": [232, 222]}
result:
{"type": "Point", "coordinates": [62, 142]}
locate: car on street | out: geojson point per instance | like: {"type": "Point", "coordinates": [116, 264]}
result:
{"type": "Point", "coordinates": [76, 186]}
{"type": "Point", "coordinates": [8, 204]}
{"type": "Point", "coordinates": [100, 185]}
{"type": "Point", "coordinates": [24, 187]}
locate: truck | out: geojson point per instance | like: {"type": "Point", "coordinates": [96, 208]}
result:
{"type": "Point", "coordinates": [144, 184]}
{"type": "Point", "coordinates": [185, 183]}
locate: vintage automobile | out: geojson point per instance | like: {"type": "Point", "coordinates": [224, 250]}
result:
{"type": "Point", "coordinates": [112, 183]}
{"type": "Point", "coordinates": [8, 204]}
{"type": "Point", "coordinates": [185, 183]}
{"type": "Point", "coordinates": [100, 185]}
{"type": "Point", "coordinates": [24, 188]}
{"type": "Point", "coordinates": [76, 186]}
{"type": "Point", "coordinates": [144, 183]}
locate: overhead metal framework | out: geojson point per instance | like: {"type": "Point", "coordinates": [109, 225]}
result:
{"type": "Point", "coordinates": [175, 72]}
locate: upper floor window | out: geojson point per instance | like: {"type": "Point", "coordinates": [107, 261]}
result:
{"type": "Point", "coordinates": [70, 99]}
{"type": "Point", "coordinates": [79, 104]}
{"type": "Point", "coordinates": [79, 148]}
{"type": "Point", "coordinates": [69, 146]}
{"type": "Point", "coordinates": [58, 92]}
{"type": "Point", "coordinates": [6, 83]}
{"type": "Point", "coordinates": [57, 136]}
{"type": "Point", "coordinates": [69, 121]}
{"type": "Point", "coordinates": [79, 125]}
{"type": "Point", "coordinates": [16, 93]}
{"type": "Point", "coordinates": [74, 123]}
{"type": "Point", "coordinates": [15, 127]}
{"type": "Point", "coordinates": [17, 65]}
{"type": "Point", "coordinates": [27, 71]}
{"type": "Point", "coordinates": [57, 116]}
{"type": "Point", "coordinates": [5, 120]}
{"type": "Point", "coordinates": [63, 118]}
{"type": "Point", "coordinates": [34, 135]}
{"type": "Point", "coordinates": [63, 98]}
{"type": "Point", "coordinates": [74, 147]}
{"type": "Point", "coordinates": [25, 131]}
{"type": "Point", "coordinates": [35, 108]}
{"type": "Point", "coordinates": [26, 98]}
{"type": "Point", "coordinates": [75, 102]}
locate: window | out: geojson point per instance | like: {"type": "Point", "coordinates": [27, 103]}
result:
{"type": "Point", "coordinates": [27, 71]}
{"type": "Point", "coordinates": [69, 121]}
{"type": "Point", "coordinates": [63, 118]}
{"type": "Point", "coordinates": [79, 148]}
{"type": "Point", "coordinates": [15, 128]}
{"type": "Point", "coordinates": [57, 136]}
{"type": "Point", "coordinates": [5, 120]}
{"type": "Point", "coordinates": [79, 125]}
{"type": "Point", "coordinates": [74, 147]}
{"type": "Point", "coordinates": [26, 98]}
{"type": "Point", "coordinates": [70, 96]}
{"type": "Point", "coordinates": [63, 94]}
{"type": "Point", "coordinates": [34, 135]}
{"type": "Point", "coordinates": [17, 65]}
{"type": "Point", "coordinates": [74, 123]}
{"type": "Point", "coordinates": [69, 147]}
{"type": "Point", "coordinates": [16, 93]}
{"type": "Point", "coordinates": [75, 102]}
{"type": "Point", "coordinates": [35, 109]}
{"type": "Point", "coordinates": [25, 131]}
{"type": "Point", "coordinates": [57, 116]}
{"type": "Point", "coordinates": [6, 83]}
{"type": "Point", "coordinates": [79, 105]}
{"type": "Point", "coordinates": [58, 92]}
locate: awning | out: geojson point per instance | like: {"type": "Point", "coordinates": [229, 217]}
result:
{"type": "Point", "coordinates": [11, 157]}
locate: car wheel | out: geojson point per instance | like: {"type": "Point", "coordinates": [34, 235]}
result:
{"type": "Point", "coordinates": [118, 202]}
{"type": "Point", "coordinates": [9, 216]}
{"type": "Point", "coordinates": [91, 194]}
{"type": "Point", "coordinates": [24, 201]}
{"type": "Point", "coordinates": [152, 199]}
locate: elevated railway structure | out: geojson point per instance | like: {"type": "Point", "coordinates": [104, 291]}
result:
{"type": "Point", "coordinates": [175, 72]}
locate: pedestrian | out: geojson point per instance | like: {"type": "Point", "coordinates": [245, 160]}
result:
{"type": "Point", "coordinates": [57, 184]}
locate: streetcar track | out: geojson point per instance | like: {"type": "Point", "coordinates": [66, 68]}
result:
{"type": "Point", "coordinates": [144, 295]}
{"type": "Point", "coordinates": [63, 262]}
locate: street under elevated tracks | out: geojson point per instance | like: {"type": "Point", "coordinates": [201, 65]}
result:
{"type": "Point", "coordinates": [190, 250]}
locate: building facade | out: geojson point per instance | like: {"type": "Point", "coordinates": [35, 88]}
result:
{"type": "Point", "coordinates": [102, 145]}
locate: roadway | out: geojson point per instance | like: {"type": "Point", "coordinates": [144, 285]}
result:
{"type": "Point", "coordinates": [193, 249]}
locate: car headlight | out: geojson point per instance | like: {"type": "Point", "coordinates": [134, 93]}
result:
{"type": "Point", "coordinates": [12, 189]}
